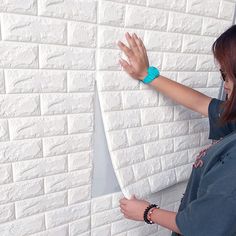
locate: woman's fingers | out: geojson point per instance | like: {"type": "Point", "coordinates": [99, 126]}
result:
{"type": "Point", "coordinates": [138, 43]}
{"type": "Point", "coordinates": [128, 68]}
{"type": "Point", "coordinates": [128, 52]}
{"type": "Point", "coordinates": [132, 43]}
{"type": "Point", "coordinates": [144, 50]}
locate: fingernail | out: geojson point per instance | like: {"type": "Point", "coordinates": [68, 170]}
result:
{"type": "Point", "coordinates": [128, 34]}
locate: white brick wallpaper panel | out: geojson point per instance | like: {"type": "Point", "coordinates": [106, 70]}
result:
{"type": "Point", "coordinates": [47, 84]}
{"type": "Point", "coordinates": [152, 139]}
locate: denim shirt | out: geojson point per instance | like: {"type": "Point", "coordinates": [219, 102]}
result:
{"type": "Point", "coordinates": [208, 207]}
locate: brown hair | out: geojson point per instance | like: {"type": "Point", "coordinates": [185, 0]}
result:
{"type": "Point", "coordinates": [224, 51]}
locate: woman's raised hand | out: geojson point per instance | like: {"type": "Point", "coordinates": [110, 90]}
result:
{"type": "Point", "coordinates": [137, 56]}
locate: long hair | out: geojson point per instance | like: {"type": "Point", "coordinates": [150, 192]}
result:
{"type": "Point", "coordinates": [224, 51]}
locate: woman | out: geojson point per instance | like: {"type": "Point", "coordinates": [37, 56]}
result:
{"type": "Point", "coordinates": [209, 204]}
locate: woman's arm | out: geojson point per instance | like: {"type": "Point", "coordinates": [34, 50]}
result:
{"type": "Point", "coordinates": [182, 94]}
{"type": "Point", "coordinates": [166, 219]}
{"type": "Point", "coordinates": [137, 69]}
{"type": "Point", "coordinates": [134, 208]}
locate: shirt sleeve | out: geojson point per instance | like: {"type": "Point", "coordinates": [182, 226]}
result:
{"type": "Point", "coordinates": [214, 210]}
{"type": "Point", "coordinates": [216, 131]}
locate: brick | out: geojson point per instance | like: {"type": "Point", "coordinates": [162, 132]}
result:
{"type": "Point", "coordinates": [122, 119]}
{"type": "Point", "coordinates": [80, 160]}
{"type": "Point", "coordinates": [183, 113]}
{"type": "Point", "coordinates": [173, 160]}
{"type": "Point", "coordinates": [184, 23]}
{"type": "Point", "coordinates": [214, 27]}
{"type": "Point", "coordinates": [180, 62]}
{"type": "Point", "coordinates": [134, 99]}
{"type": "Point", "coordinates": [138, 2]}
{"type": "Point", "coordinates": [193, 79]}
{"type": "Point", "coordinates": [169, 42]}
{"type": "Point", "coordinates": [18, 55]}
{"type": "Point", "coordinates": [103, 230]}
{"type": "Point", "coordinates": [227, 10]}
{"type": "Point", "coordinates": [2, 82]}
{"type": "Point", "coordinates": [109, 59]}
{"type": "Point", "coordinates": [125, 176]}
{"type": "Point", "coordinates": [128, 156]}
{"type": "Point", "coordinates": [81, 81]}
{"type": "Point", "coordinates": [5, 174]}
{"type": "Point", "coordinates": [124, 225]}
{"type": "Point", "coordinates": [62, 57]}
{"type": "Point", "coordinates": [135, 188]}
{"type": "Point", "coordinates": [108, 36]}
{"type": "Point", "coordinates": [35, 81]}
{"type": "Point", "coordinates": [18, 227]}
{"type": "Point", "coordinates": [111, 101]}
{"type": "Point", "coordinates": [204, 8]}
{"type": "Point", "coordinates": [197, 44]}
{"type": "Point", "coordinates": [7, 213]}
{"type": "Point", "coordinates": [198, 125]}
{"type": "Point", "coordinates": [146, 18]}
{"type": "Point", "coordinates": [105, 217]}
{"type": "Point", "coordinates": [205, 63]}
{"type": "Point", "coordinates": [187, 141]}
{"type": "Point", "coordinates": [214, 80]}
{"type": "Point", "coordinates": [66, 214]}
{"type": "Point", "coordinates": [158, 148]}
{"type": "Point", "coordinates": [33, 29]}
{"type": "Point", "coordinates": [80, 226]}
{"type": "Point", "coordinates": [40, 204]}
{"type": "Point", "coordinates": [19, 6]}
{"type": "Point", "coordinates": [149, 134]}
{"type": "Point", "coordinates": [144, 230]}
{"type": "Point", "coordinates": [21, 190]}
{"type": "Point", "coordinates": [82, 34]}
{"type": "Point", "coordinates": [115, 80]}
{"type": "Point", "coordinates": [4, 131]}
{"type": "Point", "coordinates": [80, 123]}
{"type": "Point", "coordinates": [156, 115]}
{"type": "Point", "coordinates": [68, 180]}
{"type": "Point", "coordinates": [111, 13]}
{"type": "Point", "coordinates": [64, 103]}
{"type": "Point", "coordinates": [183, 172]}
{"type": "Point", "coordinates": [172, 129]}
{"type": "Point", "coordinates": [79, 194]}
{"type": "Point", "coordinates": [78, 10]}
{"type": "Point", "coordinates": [20, 150]}
{"type": "Point", "coordinates": [177, 5]}
{"type": "Point", "coordinates": [101, 204]}
{"type": "Point", "coordinates": [67, 144]}
{"type": "Point", "coordinates": [162, 179]}
{"type": "Point", "coordinates": [42, 167]}
{"type": "Point", "coordinates": [58, 231]}
{"type": "Point", "coordinates": [146, 168]}
{"type": "Point", "coordinates": [117, 139]}
{"type": "Point", "coordinates": [34, 127]}
{"type": "Point", "coordinates": [15, 105]}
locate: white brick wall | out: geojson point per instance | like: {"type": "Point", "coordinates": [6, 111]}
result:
{"type": "Point", "coordinates": [51, 54]}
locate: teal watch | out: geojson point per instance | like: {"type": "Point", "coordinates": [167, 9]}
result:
{"type": "Point", "coordinates": [153, 73]}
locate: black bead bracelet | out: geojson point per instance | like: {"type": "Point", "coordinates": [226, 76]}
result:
{"type": "Point", "coordinates": [145, 214]}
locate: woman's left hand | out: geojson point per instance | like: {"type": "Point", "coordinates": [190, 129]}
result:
{"type": "Point", "coordinates": [133, 209]}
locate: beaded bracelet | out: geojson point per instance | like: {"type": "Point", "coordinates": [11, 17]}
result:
{"type": "Point", "coordinates": [145, 214]}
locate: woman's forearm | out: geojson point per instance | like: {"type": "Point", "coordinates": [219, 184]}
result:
{"type": "Point", "coordinates": [166, 219]}
{"type": "Point", "coordinates": [182, 94]}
